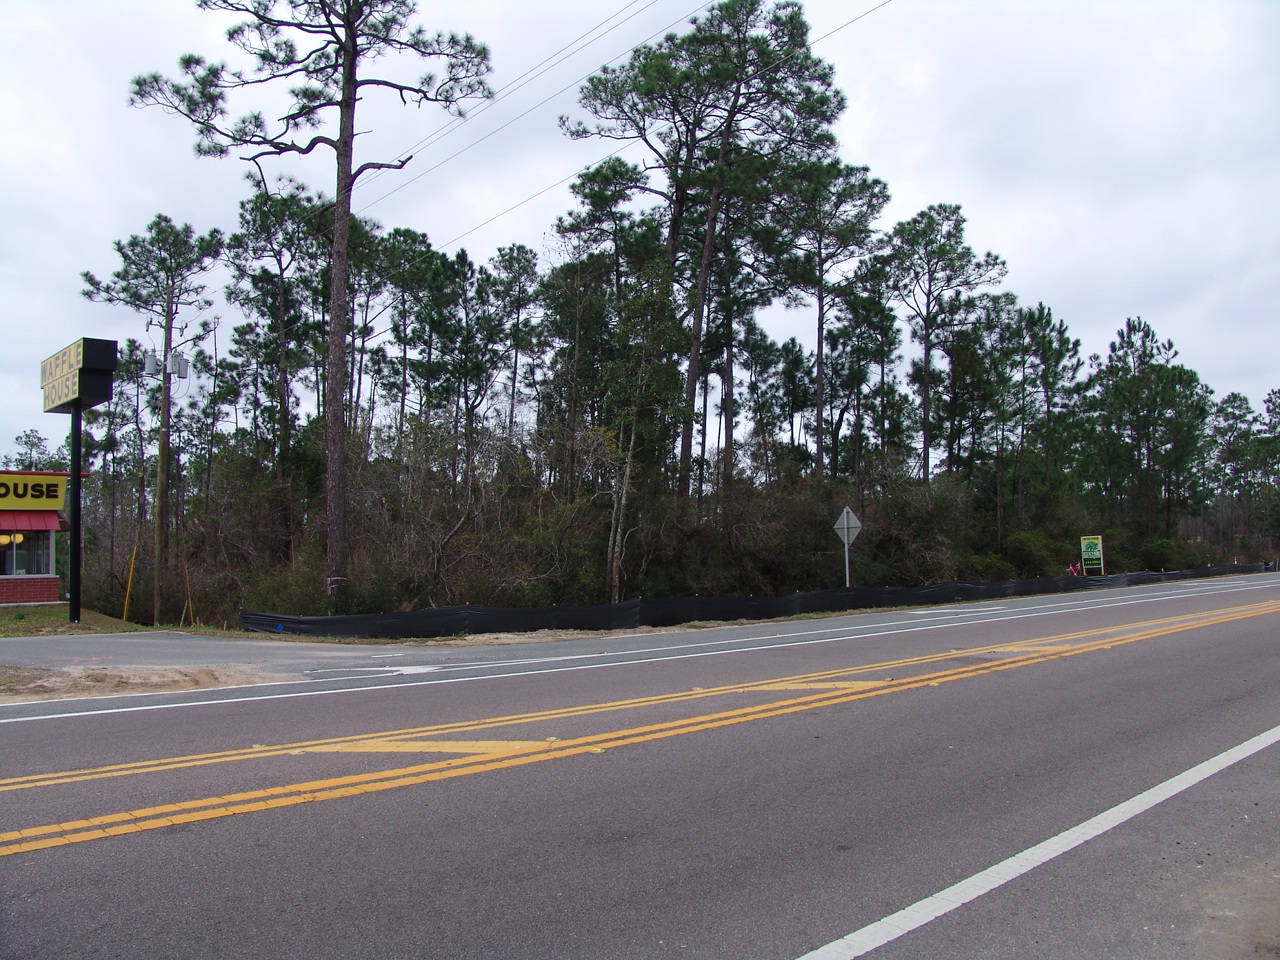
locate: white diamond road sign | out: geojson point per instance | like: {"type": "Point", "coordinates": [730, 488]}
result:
{"type": "Point", "coordinates": [848, 526]}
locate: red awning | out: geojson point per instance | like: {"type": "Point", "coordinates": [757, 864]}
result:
{"type": "Point", "coordinates": [29, 520]}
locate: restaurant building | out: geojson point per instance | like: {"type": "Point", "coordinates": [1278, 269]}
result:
{"type": "Point", "coordinates": [30, 505]}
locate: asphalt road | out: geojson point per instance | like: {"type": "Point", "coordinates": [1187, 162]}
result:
{"type": "Point", "coordinates": [1065, 777]}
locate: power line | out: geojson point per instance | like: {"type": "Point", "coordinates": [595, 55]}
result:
{"type": "Point", "coordinates": [614, 153]}
{"type": "Point", "coordinates": [566, 179]}
{"type": "Point", "coordinates": [520, 82]}
{"type": "Point", "coordinates": [563, 180]}
{"type": "Point", "coordinates": [579, 43]}
{"type": "Point", "coordinates": [513, 87]}
{"type": "Point", "coordinates": [850, 23]}
{"type": "Point", "coordinates": [544, 66]}
{"type": "Point", "coordinates": [521, 116]}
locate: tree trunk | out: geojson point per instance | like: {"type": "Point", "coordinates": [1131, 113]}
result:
{"type": "Point", "coordinates": [700, 298]}
{"type": "Point", "coordinates": [617, 535]}
{"type": "Point", "coordinates": [404, 391]}
{"type": "Point", "coordinates": [339, 316]}
{"type": "Point", "coordinates": [282, 378]}
{"type": "Point", "coordinates": [925, 390]}
{"type": "Point", "coordinates": [726, 405]}
{"type": "Point", "coordinates": [515, 377]}
{"type": "Point", "coordinates": [818, 385]}
{"type": "Point", "coordinates": [702, 456]}
{"type": "Point", "coordinates": [161, 512]}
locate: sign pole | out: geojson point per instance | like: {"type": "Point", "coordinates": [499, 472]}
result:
{"type": "Point", "coordinates": [77, 377]}
{"type": "Point", "coordinates": [73, 575]}
{"type": "Point", "coordinates": [847, 528]}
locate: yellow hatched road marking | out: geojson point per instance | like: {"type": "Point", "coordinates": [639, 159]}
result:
{"type": "Point", "coordinates": [261, 751]}
{"type": "Point", "coordinates": [852, 685]}
{"type": "Point", "coordinates": [527, 752]}
{"type": "Point", "coordinates": [381, 745]}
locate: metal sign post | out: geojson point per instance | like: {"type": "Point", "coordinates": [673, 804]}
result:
{"type": "Point", "coordinates": [73, 379]}
{"type": "Point", "coordinates": [73, 568]}
{"type": "Point", "coordinates": [847, 529]}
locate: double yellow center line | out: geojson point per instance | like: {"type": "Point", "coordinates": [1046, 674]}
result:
{"type": "Point", "coordinates": [820, 689]}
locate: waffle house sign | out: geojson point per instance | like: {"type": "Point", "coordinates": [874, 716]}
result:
{"type": "Point", "coordinates": [73, 379]}
{"type": "Point", "coordinates": [80, 372]}
{"type": "Point", "coordinates": [27, 490]}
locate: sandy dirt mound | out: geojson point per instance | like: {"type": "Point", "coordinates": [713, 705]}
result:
{"type": "Point", "coordinates": [30, 683]}
{"type": "Point", "coordinates": [544, 636]}
{"type": "Point", "coordinates": [1242, 915]}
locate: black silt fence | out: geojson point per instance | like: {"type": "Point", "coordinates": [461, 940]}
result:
{"type": "Point", "coordinates": [633, 614]}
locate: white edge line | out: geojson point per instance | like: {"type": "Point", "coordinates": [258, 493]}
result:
{"type": "Point", "coordinates": [903, 626]}
{"type": "Point", "coordinates": [900, 627]}
{"type": "Point", "coordinates": [890, 928]}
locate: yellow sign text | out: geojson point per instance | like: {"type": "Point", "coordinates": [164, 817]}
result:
{"type": "Point", "coordinates": [62, 364]}
{"type": "Point", "coordinates": [32, 491]}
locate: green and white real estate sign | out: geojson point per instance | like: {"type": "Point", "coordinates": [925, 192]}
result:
{"type": "Point", "coordinates": [1091, 554]}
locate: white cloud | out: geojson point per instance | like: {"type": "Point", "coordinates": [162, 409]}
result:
{"type": "Point", "coordinates": [1121, 157]}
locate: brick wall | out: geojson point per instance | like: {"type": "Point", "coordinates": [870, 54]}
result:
{"type": "Point", "coordinates": [30, 590]}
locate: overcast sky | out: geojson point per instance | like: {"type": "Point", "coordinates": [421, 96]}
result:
{"type": "Point", "coordinates": [1122, 156]}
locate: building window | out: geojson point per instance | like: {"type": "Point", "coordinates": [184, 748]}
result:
{"type": "Point", "coordinates": [26, 554]}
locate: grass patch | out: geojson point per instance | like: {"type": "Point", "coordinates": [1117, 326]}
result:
{"type": "Point", "coordinates": [51, 619]}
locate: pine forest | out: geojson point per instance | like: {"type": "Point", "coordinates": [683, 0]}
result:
{"type": "Point", "coordinates": [382, 425]}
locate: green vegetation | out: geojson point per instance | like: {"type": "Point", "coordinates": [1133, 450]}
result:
{"type": "Point", "coordinates": [396, 426]}
{"type": "Point", "coordinates": [51, 618]}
